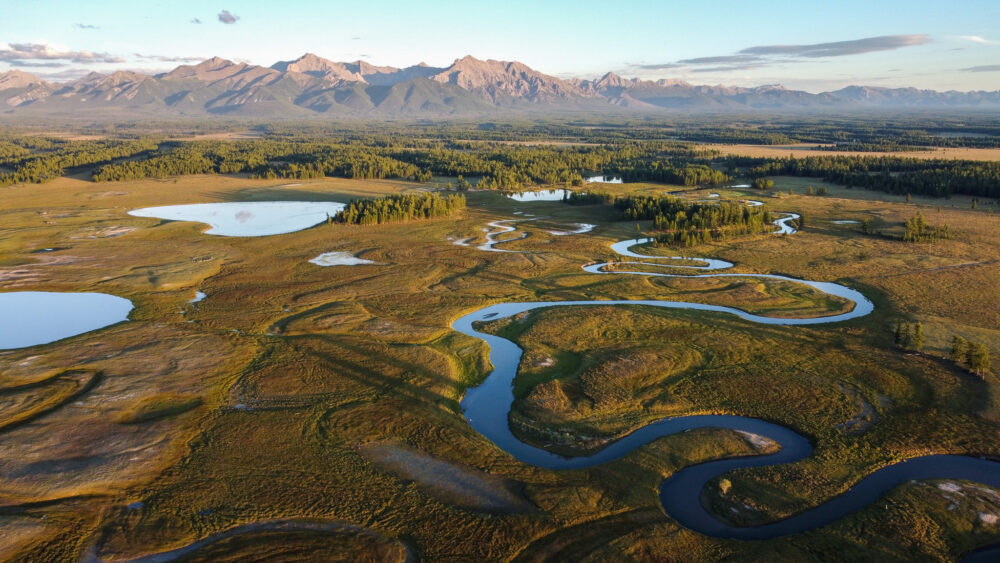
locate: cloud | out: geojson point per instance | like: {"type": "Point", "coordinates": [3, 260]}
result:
{"type": "Point", "coordinates": [725, 59]}
{"type": "Point", "coordinates": [768, 55]}
{"type": "Point", "coordinates": [228, 18]}
{"type": "Point", "coordinates": [983, 68]}
{"type": "Point", "coordinates": [167, 59]}
{"type": "Point", "coordinates": [725, 63]}
{"type": "Point", "coordinates": [841, 48]}
{"type": "Point", "coordinates": [64, 75]}
{"type": "Point", "coordinates": [662, 66]}
{"type": "Point", "coordinates": [36, 64]}
{"type": "Point", "coordinates": [730, 68]}
{"type": "Point", "coordinates": [977, 39]}
{"type": "Point", "coordinates": [194, 20]}
{"type": "Point", "coordinates": [41, 51]}
{"type": "Point", "coordinates": [86, 26]}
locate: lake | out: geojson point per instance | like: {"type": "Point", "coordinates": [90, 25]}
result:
{"type": "Point", "coordinates": [39, 317]}
{"type": "Point", "coordinates": [604, 180]}
{"type": "Point", "coordinates": [541, 195]}
{"type": "Point", "coordinates": [248, 219]}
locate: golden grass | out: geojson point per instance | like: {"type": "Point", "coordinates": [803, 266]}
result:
{"type": "Point", "coordinates": [299, 366]}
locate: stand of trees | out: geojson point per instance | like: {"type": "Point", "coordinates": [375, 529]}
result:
{"type": "Point", "coordinates": [909, 335]}
{"type": "Point", "coordinates": [498, 166]}
{"type": "Point", "coordinates": [917, 230]}
{"type": "Point", "coordinates": [882, 145]}
{"type": "Point", "coordinates": [589, 197]}
{"type": "Point", "coordinates": [748, 136]}
{"type": "Point", "coordinates": [36, 162]}
{"type": "Point", "coordinates": [403, 207]}
{"type": "Point", "coordinates": [422, 151]}
{"type": "Point", "coordinates": [892, 174]}
{"type": "Point", "coordinates": [683, 174]}
{"type": "Point", "coordinates": [688, 224]}
{"type": "Point", "coordinates": [973, 355]}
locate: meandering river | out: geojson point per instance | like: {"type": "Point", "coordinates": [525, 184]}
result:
{"type": "Point", "coordinates": [488, 405]}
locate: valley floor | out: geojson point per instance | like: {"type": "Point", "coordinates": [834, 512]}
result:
{"type": "Point", "coordinates": [300, 410]}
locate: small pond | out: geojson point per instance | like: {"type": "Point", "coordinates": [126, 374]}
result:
{"type": "Point", "coordinates": [604, 180]}
{"type": "Point", "coordinates": [541, 195]}
{"type": "Point", "coordinates": [339, 259]}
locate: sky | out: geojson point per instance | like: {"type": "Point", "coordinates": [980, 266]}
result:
{"type": "Point", "coordinates": [803, 45]}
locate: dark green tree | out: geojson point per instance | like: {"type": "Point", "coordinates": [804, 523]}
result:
{"type": "Point", "coordinates": [959, 349]}
{"type": "Point", "coordinates": [979, 358]}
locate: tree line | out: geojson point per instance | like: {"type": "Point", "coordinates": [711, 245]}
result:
{"type": "Point", "coordinates": [589, 197]}
{"type": "Point", "coordinates": [678, 222]}
{"type": "Point", "coordinates": [892, 174]}
{"type": "Point", "coordinates": [400, 207]}
{"type": "Point", "coordinates": [497, 166]}
{"type": "Point", "coordinates": [42, 161]}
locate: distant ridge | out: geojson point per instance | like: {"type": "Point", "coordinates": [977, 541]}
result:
{"type": "Point", "coordinates": [312, 86]}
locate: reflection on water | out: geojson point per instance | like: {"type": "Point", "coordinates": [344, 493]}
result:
{"type": "Point", "coordinates": [541, 195]}
{"type": "Point", "coordinates": [603, 180]}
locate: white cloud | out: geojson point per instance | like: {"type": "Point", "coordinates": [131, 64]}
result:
{"type": "Point", "coordinates": [977, 39]}
{"type": "Point", "coordinates": [842, 48]}
{"type": "Point", "coordinates": [168, 59]}
{"type": "Point", "coordinates": [775, 55]}
{"type": "Point", "coordinates": [16, 52]}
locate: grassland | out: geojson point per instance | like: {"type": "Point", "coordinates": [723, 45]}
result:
{"type": "Point", "coordinates": [331, 395]}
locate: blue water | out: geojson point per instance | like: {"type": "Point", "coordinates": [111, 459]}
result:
{"type": "Point", "coordinates": [487, 408]}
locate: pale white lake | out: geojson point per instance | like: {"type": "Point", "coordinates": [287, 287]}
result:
{"type": "Point", "coordinates": [248, 219]}
{"type": "Point", "coordinates": [40, 317]}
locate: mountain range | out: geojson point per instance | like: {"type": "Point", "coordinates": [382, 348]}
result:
{"type": "Point", "coordinates": [311, 86]}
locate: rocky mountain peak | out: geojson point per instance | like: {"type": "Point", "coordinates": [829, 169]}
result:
{"type": "Point", "coordinates": [18, 79]}
{"type": "Point", "coordinates": [311, 84]}
{"type": "Point", "coordinates": [612, 79]}
{"type": "Point", "coordinates": [504, 80]}
{"type": "Point", "coordinates": [319, 67]}
{"type": "Point", "coordinates": [209, 70]}
{"type": "Point", "coordinates": [214, 63]}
